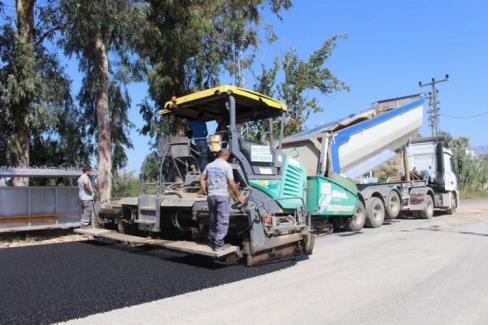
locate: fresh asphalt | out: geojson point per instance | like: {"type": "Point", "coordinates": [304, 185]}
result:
{"type": "Point", "coordinates": [58, 282]}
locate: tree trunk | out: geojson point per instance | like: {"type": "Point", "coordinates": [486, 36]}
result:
{"type": "Point", "coordinates": [25, 28]}
{"type": "Point", "coordinates": [103, 123]}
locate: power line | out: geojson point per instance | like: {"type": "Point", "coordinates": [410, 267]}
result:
{"type": "Point", "coordinates": [465, 116]}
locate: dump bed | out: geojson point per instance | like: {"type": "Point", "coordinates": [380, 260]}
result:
{"type": "Point", "coordinates": [359, 137]}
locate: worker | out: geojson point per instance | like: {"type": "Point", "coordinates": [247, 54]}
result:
{"type": "Point", "coordinates": [85, 193]}
{"type": "Point", "coordinates": [222, 130]}
{"type": "Point", "coordinates": [181, 127]}
{"type": "Point", "coordinates": [199, 136]}
{"type": "Point", "coordinates": [218, 174]}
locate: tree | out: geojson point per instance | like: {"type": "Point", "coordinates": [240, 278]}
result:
{"type": "Point", "coordinates": [18, 87]}
{"type": "Point", "coordinates": [471, 170]}
{"type": "Point", "coordinates": [99, 34]}
{"type": "Point", "coordinates": [126, 185]}
{"type": "Point", "coordinates": [38, 121]}
{"type": "Point", "coordinates": [187, 44]}
{"type": "Point", "coordinates": [237, 25]}
{"type": "Point", "coordinates": [299, 77]}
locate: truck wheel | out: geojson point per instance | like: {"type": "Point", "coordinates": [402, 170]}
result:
{"type": "Point", "coordinates": [452, 210]}
{"type": "Point", "coordinates": [393, 205]}
{"type": "Point", "coordinates": [428, 211]}
{"type": "Point", "coordinates": [375, 213]}
{"type": "Point", "coordinates": [356, 222]}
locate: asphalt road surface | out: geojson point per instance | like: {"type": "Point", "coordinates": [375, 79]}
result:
{"type": "Point", "coordinates": [408, 272]}
{"type": "Point", "coordinates": [57, 282]}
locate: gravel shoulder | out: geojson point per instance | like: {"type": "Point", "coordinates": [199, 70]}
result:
{"type": "Point", "coordinates": [39, 237]}
{"type": "Point", "coordinates": [409, 272]}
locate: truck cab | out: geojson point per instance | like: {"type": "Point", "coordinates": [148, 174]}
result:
{"type": "Point", "coordinates": [430, 159]}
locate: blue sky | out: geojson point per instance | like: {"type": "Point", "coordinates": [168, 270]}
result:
{"type": "Point", "coordinates": [391, 46]}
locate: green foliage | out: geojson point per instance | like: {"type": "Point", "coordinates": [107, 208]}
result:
{"type": "Point", "coordinates": [187, 44]}
{"type": "Point", "coordinates": [150, 168]}
{"type": "Point", "coordinates": [471, 171]}
{"type": "Point", "coordinates": [35, 96]}
{"type": "Point", "coordinates": [299, 78]}
{"type": "Point", "coordinates": [18, 89]}
{"type": "Point", "coordinates": [125, 185]}
{"type": "Point", "coordinates": [474, 194]}
{"type": "Point", "coordinates": [115, 23]}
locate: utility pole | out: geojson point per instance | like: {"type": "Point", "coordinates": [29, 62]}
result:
{"type": "Point", "coordinates": [434, 107]}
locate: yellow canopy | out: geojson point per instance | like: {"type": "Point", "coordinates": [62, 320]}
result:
{"type": "Point", "coordinates": [209, 105]}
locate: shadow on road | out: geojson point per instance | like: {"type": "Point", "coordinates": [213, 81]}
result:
{"type": "Point", "coordinates": [189, 259]}
{"type": "Point", "coordinates": [473, 233]}
{"type": "Point", "coordinates": [437, 228]}
{"type": "Point", "coordinates": [349, 234]}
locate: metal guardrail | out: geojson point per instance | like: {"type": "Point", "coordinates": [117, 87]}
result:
{"type": "Point", "coordinates": [40, 172]}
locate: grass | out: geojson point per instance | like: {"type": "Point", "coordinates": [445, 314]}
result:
{"type": "Point", "coordinates": [474, 195]}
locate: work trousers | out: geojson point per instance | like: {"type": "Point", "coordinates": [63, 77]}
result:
{"type": "Point", "coordinates": [219, 213]}
{"type": "Point", "coordinates": [86, 212]}
{"type": "Point", "coordinates": [202, 148]}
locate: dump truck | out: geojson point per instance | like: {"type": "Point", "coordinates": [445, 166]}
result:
{"type": "Point", "coordinates": [353, 146]}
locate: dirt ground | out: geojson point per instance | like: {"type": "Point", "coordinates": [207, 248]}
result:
{"type": "Point", "coordinates": [39, 237]}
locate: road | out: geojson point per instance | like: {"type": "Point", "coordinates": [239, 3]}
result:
{"type": "Point", "coordinates": [408, 272]}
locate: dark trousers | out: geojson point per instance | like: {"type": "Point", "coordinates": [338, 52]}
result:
{"type": "Point", "coordinates": [202, 148]}
{"type": "Point", "coordinates": [219, 213]}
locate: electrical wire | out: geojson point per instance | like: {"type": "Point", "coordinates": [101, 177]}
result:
{"type": "Point", "coordinates": [465, 116]}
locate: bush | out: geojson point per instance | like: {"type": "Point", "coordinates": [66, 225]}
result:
{"type": "Point", "coordinates": [126, 185]}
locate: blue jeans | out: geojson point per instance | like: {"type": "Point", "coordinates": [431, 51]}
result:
{"type": "Point", "coordinates": [218, 223]}
{"type": "Point", "coordinates": [202, 148]}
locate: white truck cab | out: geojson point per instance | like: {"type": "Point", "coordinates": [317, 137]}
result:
{"type": "Point", "coordinates": [430, 159]}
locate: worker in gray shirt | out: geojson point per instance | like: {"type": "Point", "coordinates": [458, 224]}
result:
{"type": "Point", "coordinates": [85, 193]}
{"type": "Point", "coordinates": [218, 174]}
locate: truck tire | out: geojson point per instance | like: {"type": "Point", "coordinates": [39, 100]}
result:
{"type": "Point", "coordinates": [375, 213]}
{"type": "Point", "coordinates": [393, 205]}
{"type": "Point", "coordinates": [428, 211]}
{"type": "Point", "coordinates": [356, 222]}
{"type": "Point", "coordinates": [452, 210]}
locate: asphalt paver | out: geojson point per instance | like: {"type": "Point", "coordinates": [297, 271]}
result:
{"type": "Point", "coordinates": [58, 282]}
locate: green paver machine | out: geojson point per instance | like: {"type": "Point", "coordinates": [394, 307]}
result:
{"type": "Point", "coordinates": [274, 221]}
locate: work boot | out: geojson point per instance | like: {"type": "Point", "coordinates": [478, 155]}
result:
{"type": "Point", "coordinates": [220, 248]}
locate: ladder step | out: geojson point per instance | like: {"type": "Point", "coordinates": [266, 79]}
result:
{"type": "Point", "coordinates": [147, 208]}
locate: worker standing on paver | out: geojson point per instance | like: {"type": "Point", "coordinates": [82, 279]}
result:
{"type": "Point", "coordinates": [199, 136]}
{"type": "Point", "coordinates": [85, 193]}
{"type": "Point", "coordinates": [218, 174]}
